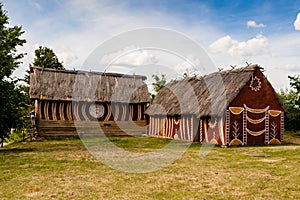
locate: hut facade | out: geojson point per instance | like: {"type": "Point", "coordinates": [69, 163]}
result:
{"type": "Point", "coordinates": [90, 99]}
{"type": "Point", "coordinates": [233, 107]}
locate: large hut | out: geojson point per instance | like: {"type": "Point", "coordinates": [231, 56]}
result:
{"type": "Point", "coordinates": [233, 107]}
{"type": "Point", "coordinates": [68, 102]}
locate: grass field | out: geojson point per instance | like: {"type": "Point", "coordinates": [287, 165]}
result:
{"type": "Point", "coordinates": [64, 169]}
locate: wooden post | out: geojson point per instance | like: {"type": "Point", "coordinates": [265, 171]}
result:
{"type": "Point", "coordinates": [36, 108]}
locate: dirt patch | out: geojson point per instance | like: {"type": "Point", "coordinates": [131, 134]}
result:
{"type": "Point", "coordinates": [284, 147]}
{"type": "Point", "coordinates": [34, 194]}
{"type": "Point", "coordinates": [271, 160]}
{"type": "Point", "coordinates": [256, 155]}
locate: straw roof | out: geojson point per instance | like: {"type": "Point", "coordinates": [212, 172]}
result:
{"type": "Point", "coordinates": [50, 84]}
{"type": "Point", "coordinates": [203, 96]}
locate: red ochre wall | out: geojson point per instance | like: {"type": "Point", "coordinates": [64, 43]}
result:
{"type": "Point", "coordinates": [265, 96]}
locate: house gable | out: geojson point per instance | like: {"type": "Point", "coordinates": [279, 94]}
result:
{"type": "Point", "coordinates": [257, 93]}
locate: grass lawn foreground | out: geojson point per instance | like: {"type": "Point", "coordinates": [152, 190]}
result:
{"type": "Point", "coordinates": [64, 169]}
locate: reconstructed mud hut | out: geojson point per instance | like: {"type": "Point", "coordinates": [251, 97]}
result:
{"type": "Point", "coordinates": [233, 107]}
{"type": "Point", "coordinates": [68, 102]}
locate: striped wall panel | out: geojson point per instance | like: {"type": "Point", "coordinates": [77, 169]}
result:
{"type": "Point", "coordinates": [61, 110]}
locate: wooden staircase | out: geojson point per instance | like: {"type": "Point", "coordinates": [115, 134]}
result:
{"type": "Point", "coordinates": [60, 128]}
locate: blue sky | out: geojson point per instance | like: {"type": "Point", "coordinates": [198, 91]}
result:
{"type": "Point", "coordinates": [231, 32]}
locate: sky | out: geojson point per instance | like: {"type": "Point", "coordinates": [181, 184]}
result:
{"type": "Point", "coordinates": [233, 32]}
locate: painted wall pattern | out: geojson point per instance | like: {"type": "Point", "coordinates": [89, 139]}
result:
{"type": "Point", "coordinates": [242, 126]}
{"type": "Point", "coordinates": [63, 110]}
{"type": "Point", "coordinates": [188, 128]}
{"type": "Point", "coordinates": [183, 128]}
{"type": "Point", "coordinates": [245, 125]}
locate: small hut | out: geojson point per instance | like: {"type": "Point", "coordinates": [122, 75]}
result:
{"type": "Point", "coordinates": [68, 99]}
{"type": "Point", "coordinates": [233, 107]}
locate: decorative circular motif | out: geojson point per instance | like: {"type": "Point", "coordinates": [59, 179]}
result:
{"type": "Point", "coordinates": [255, 84]}
{"type": "Point", "coordinates": [96, 110]}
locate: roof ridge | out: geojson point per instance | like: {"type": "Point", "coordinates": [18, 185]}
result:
{"type": "Point", "coordinates": [89, 72]}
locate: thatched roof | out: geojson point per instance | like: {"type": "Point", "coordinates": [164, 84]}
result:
{"type": "Point", "coordinates": [203, 96]}
{"type": "Point", "coordinates": [50, 84]}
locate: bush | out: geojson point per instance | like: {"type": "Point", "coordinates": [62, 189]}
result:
{"type": "Point", "coordinates": [17, 135]}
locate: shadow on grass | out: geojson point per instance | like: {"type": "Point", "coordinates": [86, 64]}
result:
{"type": "Point", "coordinates": [74, 144]}
{"type": "Point", "coordinates": [47, 145]}
{"type": "Point", "coordinates": [289, 144]}
{"type": "Point", "coordinates": [16, 150]}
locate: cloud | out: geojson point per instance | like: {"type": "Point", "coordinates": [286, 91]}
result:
{"type": "Point", "coordinates": [66, 55]}
{"type": "Point", "coordinates": [190, 66]}
{"type": "Point", "coordinates": [253, 24]}
{"type": "Point", "coordinates": [251, 47]}
{"type": "Point", "coordinates": [35, 5]}
{"type": "Point", "coordinates": [222, 45]}
{"type": "Point", "coordinates": [297, 22]}
{"type": "Point", "coordinates": [130, 57]}
{"type": "Point", "coordinates": [292, 67]}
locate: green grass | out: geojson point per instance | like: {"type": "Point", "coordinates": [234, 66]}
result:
{"type": "Point", "coordinates": [64, 169]}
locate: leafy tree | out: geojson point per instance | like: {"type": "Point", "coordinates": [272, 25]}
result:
{"type": "Point", "coordinates": [291, 100]}
{"type": "Point", "coordinates": [159, 83]}
{"type": "Point", "coordinates": [295, 84]}
{"type": "Point", "coordinates": [45, 57]}
{"type": "Point", "coordinates": [11, 96]}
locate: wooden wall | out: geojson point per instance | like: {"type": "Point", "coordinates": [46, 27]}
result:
{"type": "Point", "coordinates": [64, 110]}
{"type": "Point", "coordinates": [65, 118]}
{"type": "Point", "coordinates": [67, 128]}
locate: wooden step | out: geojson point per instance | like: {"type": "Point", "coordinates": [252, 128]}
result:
{"type": "Point", "coordinates": [57, 128]}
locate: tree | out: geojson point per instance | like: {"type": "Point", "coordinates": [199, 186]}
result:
{"type": "Point", "coordinates": [10, 98]}
{"type": "Point", "coordinates": [295, 84]}
{"type": "Point", "coordinates": [158, 84]}
{"type": "Point", "coordinates": [291, 101]}
{"type": "Point", "coordinates": [45, 57]}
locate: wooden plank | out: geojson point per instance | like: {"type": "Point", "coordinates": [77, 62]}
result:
{"type": "Point", "coordinates": [60, 128]}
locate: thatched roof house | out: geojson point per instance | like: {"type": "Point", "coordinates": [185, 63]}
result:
{"type": "Point", "coordinates": [209, 100]}
{"type": "Point", "coordinates": [68, 95]}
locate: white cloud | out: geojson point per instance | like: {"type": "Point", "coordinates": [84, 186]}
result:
{"type": "Point", "coordinates": [292, 67]}
{"type": "Point", "coordinates": [297, 22]}
{"type": "Point", "coordinates": [66, 55]}
{"type": "Point", "coordinates": [35, 5]}
{"type": "Point", "coordinates": [222, 45]}
{"type": "Point", "coordinates": [251, 47]}
{"type": "Point", "coordinates": [253, 24]}
{"type": "Point", "coordinates": [189, 66]}
{"type": "Point", "coordinates": [129, 57]}
{"type": "Point", "coordinates": [136, 58]}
